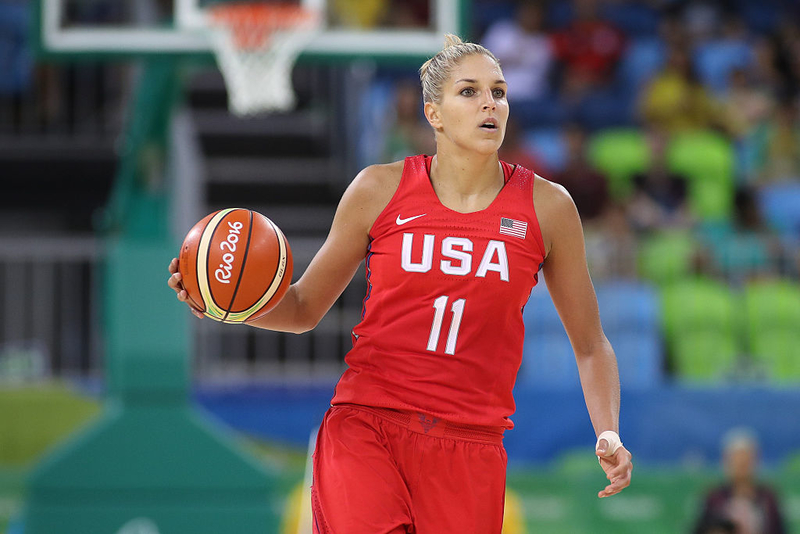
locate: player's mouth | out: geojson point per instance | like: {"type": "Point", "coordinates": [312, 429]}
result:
{"type": "Point", "coordinates": [489, 125]}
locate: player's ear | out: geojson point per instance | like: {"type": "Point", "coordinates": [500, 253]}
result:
{"type": "Point", "coordinates": [431, 111]}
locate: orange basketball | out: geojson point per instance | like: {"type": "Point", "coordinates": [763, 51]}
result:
{"type": "Point", "coordinates": [236, 265]}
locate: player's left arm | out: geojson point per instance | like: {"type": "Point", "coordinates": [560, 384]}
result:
{"type": "Point", "coordinates": [570, 286]}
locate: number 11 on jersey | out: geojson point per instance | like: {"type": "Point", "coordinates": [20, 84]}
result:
{"type": "Point", "coordinates": [440, 305]}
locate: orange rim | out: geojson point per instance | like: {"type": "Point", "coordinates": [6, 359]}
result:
{"type": "Point", "coordinates": [252, 24]}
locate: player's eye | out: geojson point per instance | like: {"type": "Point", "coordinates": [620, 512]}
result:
{"type": "Point", "coordinates": [468, 91]}
{"type": "Point", "coordinates": [499, 93]}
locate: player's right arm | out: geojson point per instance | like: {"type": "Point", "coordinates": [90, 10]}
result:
{"type": "Point", "coordinates": [334, 265]}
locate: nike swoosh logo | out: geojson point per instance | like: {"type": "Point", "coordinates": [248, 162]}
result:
{"type": "Point", "coordinates": [400, 221]}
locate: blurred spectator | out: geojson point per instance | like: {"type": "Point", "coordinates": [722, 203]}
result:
{"type": "Point", "coordinates": [774, 146]}
{"type": "Point", "coordinates": [611, 245]}
{"type": "Point", "coordinates": [408, 14]}
{"type": "Point", "coordinates": [749, 249]}
{"type": "Point", "coordinates": [362, 14]}
{"type": "Point", "coordinates": [675, 100]}
{"type": "Point", "coordinates": [659, 198]}
{"type": "Point", "coordinates": [746, 104]}
{"type": "Point", "coordinates": [524, 50]}
{"type": "Point", "coordinates": [701, 19]}
{"type": "Point", "coordinates": [409, 133]}
{"type": "Point", "coordinates": [588, 50]}
{"type": "Point", "coordinates": [514, 150]}
{"type": "Point", "coordinates": [584, 182]}
{"type": "Point", "coordinates": [743, 500]}
{"type": "Point", "coordinates": [787, 54]}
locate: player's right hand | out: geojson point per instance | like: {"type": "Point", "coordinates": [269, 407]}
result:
{"type": "Point", "coordinates": [175, 283]}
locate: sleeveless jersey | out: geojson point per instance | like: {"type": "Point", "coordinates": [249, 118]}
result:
{"type": "Point", "coordinates": [441, 329]}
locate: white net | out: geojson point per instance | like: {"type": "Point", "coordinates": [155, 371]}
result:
{"type": "Point", "coordinates": [256, 46]}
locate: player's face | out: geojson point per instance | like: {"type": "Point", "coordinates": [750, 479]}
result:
{"type": "Point", "coordinates": [473, 110]}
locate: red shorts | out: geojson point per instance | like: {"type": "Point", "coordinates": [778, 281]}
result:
{"type": "Point", "coordinates": [379, 471]}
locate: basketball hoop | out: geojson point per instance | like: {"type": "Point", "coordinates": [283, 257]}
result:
{"type": "Point", "coordinates": [256, 45]}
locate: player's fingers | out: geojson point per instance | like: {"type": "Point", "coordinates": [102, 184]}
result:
{"type": "Point", "coordinates": [174, 282]}
{"type": "Point", "coordinates": [602, 447]}
{"type": "Point", "coordinates": [620, 470]}
{"type": "Point", "coordinates": [173, 266]}
{"type": "Point", "coordinates": [615, 487]}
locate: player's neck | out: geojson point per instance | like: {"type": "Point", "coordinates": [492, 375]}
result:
{"type": "Point", "coordinates": [466, 183]}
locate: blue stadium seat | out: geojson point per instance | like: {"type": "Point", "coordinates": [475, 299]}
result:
{"type": "Point", "coordinates": [548, 360]}
{"type": "Point", "coordinates": [716, 60]}
{"type": "Point", "coordinates": [760, 17]}
{"type": "Point", "coordinates": [631, 316]}
{"type": "Point", "coordinates": [639, 358]}
{"type": "Point", "coordinates": [544, 112]}
{"type": "Point", "coordinates": [548, 144]}
{"type": "Point", "coordinates": [634, 19]}
{"type": "Point", "coordinates": [606, 109]}
{"type": "Point", "coordinates": [780, 205]}
{"type": "Point", "coordinates": [629, 306]}
{"type": "Point", "coordinates": [643, 58]}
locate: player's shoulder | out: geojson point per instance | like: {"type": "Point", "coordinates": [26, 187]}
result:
{"type": "Point", "coordinates": [371, 190]}
{"type": "Point", "coordinates": [555, 209]}
{"type": "Point", "coordinates": [551, 196]}
{"type": "Point", "coordinates": [379, 179]}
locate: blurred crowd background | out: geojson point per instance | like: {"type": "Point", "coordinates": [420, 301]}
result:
{"type": "Point", "coordinates": [674, 124]}
{"type": "Point", "coordinates": [676, 128]}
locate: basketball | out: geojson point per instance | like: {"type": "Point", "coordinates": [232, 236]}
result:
{"type": "Point", "coordinates": [236, 265]}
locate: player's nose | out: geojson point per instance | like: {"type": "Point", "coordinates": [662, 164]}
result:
{"type": "Point", "coordinates": [488, 101]}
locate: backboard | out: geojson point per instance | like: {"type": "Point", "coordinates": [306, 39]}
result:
{"type": "Point", "coordinates": [380, 29]}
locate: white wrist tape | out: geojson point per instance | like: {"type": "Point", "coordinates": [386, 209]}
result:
{"type": "Point", "coordinates": [613, 440]}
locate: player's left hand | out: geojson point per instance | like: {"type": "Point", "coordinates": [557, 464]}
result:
{"type": "Point", "coordinates": [618, 468]}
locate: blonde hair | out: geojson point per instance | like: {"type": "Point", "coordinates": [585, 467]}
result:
{"type": "Point", "coordinates": [434, 72]}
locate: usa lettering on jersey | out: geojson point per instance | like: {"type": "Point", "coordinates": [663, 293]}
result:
{"type": "Point", "coordinates": [457, 252]}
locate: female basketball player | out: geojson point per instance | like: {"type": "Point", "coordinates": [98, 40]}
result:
{"type": "Point", "coordinates": [453, 244]}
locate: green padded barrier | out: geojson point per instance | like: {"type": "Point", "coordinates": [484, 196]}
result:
{"type": "Point", "coordinates": [707, 159]}
{"type": "Point", "coordinates": [700, 327]}
{"type": "Point", "coordinates": [659, 501]}
{"type": "Point", "coordinates": [620, 153]}
{"type": "Point", "coordinates": [666, 257]}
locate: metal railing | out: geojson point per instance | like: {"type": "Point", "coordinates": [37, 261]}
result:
{"type": "Point", "coordinates": [49, 292]}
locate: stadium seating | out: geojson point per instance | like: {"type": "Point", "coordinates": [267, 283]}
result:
{"type": "Point", "coordinates": [716, 60]}
{"type": "Point", "coordinates": [701, 329]}
{"type": "Point", "coordinates": [707, 160]}
{"type": "Point", "coordinates": [630, 313]}
{"type": "Point", "coordinates": [548, 144]}
{"type": "Point", "coordinates": [780, 204]}
{"type": "Point", "coordinates": [635, 19]}
{"type": "Point", "coordinates": [548, 360]}
{"type": "Point", "coordinates": [772, 311]}
{"type": "Point", "coordinates": [619, 153]}
{"type": "Point", "coordinates": [631, 316]}
{"type": "Point", "coordinates": [666, 257]}
{"type": "Point", "coordinates": [642, 59]}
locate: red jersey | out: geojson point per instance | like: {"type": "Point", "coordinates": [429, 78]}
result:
{"type": "Point", "coordinates": [441, 329]}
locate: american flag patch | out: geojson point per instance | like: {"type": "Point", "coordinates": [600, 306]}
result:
{"type": "Point", "coordinates": [513, 227]}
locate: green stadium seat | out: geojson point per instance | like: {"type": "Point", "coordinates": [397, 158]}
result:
{"type": "Point", "coordinates": [666, 257]}
{"type": "Point", "coordinates": [700, 328]}
{"type": "Point", "coordinates": [619, 153]}
{"type": "Point", "coordinates": [707, 160]}
{"type": "Point", "coordinates": [772, 311]}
